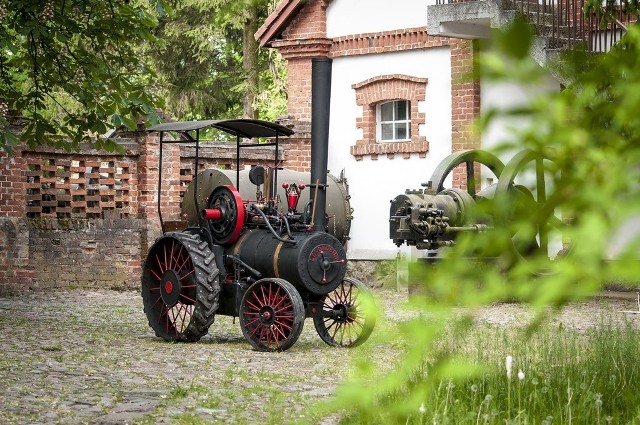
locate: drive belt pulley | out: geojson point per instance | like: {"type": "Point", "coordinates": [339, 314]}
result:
{"type": "Point", "coordinates": [225, 214]}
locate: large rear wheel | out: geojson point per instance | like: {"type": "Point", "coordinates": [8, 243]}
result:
{"type": "Point", "coordinates": [180, 287]}
{"type": "Point", "coordinates": [271, 315]}
{"type": "Point", "coordinates": [343, 322]}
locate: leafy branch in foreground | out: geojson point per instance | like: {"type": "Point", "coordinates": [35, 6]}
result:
{"type": "Point", "coordinates": [593, 130]}
{"type": "Point", "coordinates": [70, 70]}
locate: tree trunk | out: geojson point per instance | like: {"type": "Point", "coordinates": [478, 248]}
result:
{"type": "Point", "coordinates": [250, 59]}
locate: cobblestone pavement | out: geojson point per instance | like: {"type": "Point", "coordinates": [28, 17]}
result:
{"type": "Point", "coordinates": [89, 357]}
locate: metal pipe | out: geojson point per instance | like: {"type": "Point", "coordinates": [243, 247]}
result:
{"type": "Point", "coordinates": [237, 161]}
{"type": "Point", "coordinates": [195, 177]}
{"type": "Point", "coordinates": [160, 183]}
{"type": "Point", "coordinates": [320, 104]}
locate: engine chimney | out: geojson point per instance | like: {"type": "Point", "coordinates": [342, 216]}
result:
{"type": "Point", "coordinates": [320, 103]}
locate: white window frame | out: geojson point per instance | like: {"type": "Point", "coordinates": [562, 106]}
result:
{"type": "Point", "coordinates": [394, 122]}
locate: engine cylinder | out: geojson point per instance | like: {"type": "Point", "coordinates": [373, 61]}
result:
{"type": "Point", "coordinates": [417, 216]}
{"type": "Point", "coordinates": [315, 262]}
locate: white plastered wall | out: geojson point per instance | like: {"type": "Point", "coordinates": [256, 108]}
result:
{"type": "Point", "coordinates": [374, 183]}
{"type": "Point", "coordinates": [502, 131]}
{"type": "Point", "coordinates": [346, 17]}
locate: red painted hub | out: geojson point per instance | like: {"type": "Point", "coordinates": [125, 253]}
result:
{"type": "Point", "coordinates": [170, 288]}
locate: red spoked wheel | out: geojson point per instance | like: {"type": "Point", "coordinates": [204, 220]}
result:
{"type": "Point", "coordinates": [343, 322]}
{"type": "Point", "coordinates": [180, 287]}
{"type": "Point", "coordinates": [271, 315]}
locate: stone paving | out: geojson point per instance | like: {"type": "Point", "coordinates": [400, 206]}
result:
{"type": "Point", "coordinates": [89, 357]}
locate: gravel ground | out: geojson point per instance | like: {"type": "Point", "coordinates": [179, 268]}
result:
{"type": "Point", "coordinates": [89, 357]}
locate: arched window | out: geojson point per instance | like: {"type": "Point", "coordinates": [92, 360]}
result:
{"type": "Point", "coordinates": [390, 117]}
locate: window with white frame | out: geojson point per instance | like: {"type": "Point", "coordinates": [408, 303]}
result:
{"type": "Point", "coordinates": [393, 121]}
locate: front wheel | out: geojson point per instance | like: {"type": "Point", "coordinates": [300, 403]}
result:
{"type": "Point", "coordinates": [343, 321]}
{"type": "Point", "coordinates": [271, 315]}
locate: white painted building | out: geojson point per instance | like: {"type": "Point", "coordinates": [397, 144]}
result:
{"type": "Point", "coordinates": [382, 53]}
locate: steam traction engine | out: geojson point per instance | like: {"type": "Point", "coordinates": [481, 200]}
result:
{"type": "Point", "coordinates": [247, 253]}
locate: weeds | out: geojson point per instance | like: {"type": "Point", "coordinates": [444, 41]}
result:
{"type": "Point", "coordinates": [563, 377]}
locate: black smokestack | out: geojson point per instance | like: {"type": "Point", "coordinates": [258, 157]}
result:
{"type": "Point", "coordinates": [320, 103]}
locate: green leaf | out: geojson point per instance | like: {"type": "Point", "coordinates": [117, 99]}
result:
{"type": "Point", "coordinates": [116, 121]}
{"type": "Point", "coordinates": [131, 125]}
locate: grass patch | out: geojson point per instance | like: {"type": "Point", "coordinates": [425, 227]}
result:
{"type": "Point", "coordinates": [555, 376]}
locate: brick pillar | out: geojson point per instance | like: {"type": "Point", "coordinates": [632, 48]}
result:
{"type": "Point", "coordinates": [148, 191]}
{"type": "Point", "coordinates": [13, 180]}
{"type": "Point", "coordinates": [171, 180]}
{"type": "Point", "coordinates": [15, 273]}
{"type": "Point", "coordinates": [303, 40]}
{"type": "Point", "coordinates": [297, 148]}
{"type": "Point", "coordinates": [299, 88]}
{"type": "Point", "coordinates": [465, 103]}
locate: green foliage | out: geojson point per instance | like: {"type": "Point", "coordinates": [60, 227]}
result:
{"type": "Point", "coordinates": [198, 62]}
{"type": "Point", "coordinates": [558, 375]}
{"type": "Point", "coordinates": [200, 65]}
{"type": "Point", "coordinates": [271, 102]}
{"type": "Point", "coordinates": [591, 131]}
{"type": "Point", "coordinates": [72, 70]}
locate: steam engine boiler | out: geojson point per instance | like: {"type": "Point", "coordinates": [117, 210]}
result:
{"type": "Point", "coordinates": [265, 245]}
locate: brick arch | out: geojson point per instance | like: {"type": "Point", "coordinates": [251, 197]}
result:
{"type": "Point", "coordinates": [386, 88]}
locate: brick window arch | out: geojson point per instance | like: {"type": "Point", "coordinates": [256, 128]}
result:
{"type": "Point", "coordinates": [387, 88]}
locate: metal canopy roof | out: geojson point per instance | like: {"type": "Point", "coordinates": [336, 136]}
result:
{"type": "Point", "coordinates": [182, 126]}
{"type": "Point", "coordinates": [242, 127]}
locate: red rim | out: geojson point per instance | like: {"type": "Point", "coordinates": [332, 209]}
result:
{"type": "Point", "coordinates": [347, 326]}
{"type": "Point", "coordinates": [240, 215]}
{"type": "Point", "coordinates": [271, 315]}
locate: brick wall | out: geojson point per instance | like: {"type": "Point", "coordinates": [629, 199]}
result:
{"type": "Point", "coordinates": [100, 253]}
{"type": "Point", "coordinates": [304, 39]}
{"type": "Point", "coordinates": [297, 148]}
{"type": "Point", "coordinates": [15, 273]}
{"type": "Point", "coordinates": [310, 23]}
{"type": "Point", "coordinates": [87, 219]}
{"type": "Point", "coordinates": [12, 183]}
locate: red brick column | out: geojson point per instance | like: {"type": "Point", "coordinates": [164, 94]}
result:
{"type": "Point", "coordinates": [304, 39]}
{"type": "Point", "coordinates": [465, 103]}
{"type": "Point", "coordinates": [15, 273]}
{"type": "Point", "coordinates": [148, 174]}
{"type": "Point", "coordinates": [12, 184]}
{"type": "Point", "coordinates": [299, 88]}
{"type": "Point", "coordinates": [148, 191]}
